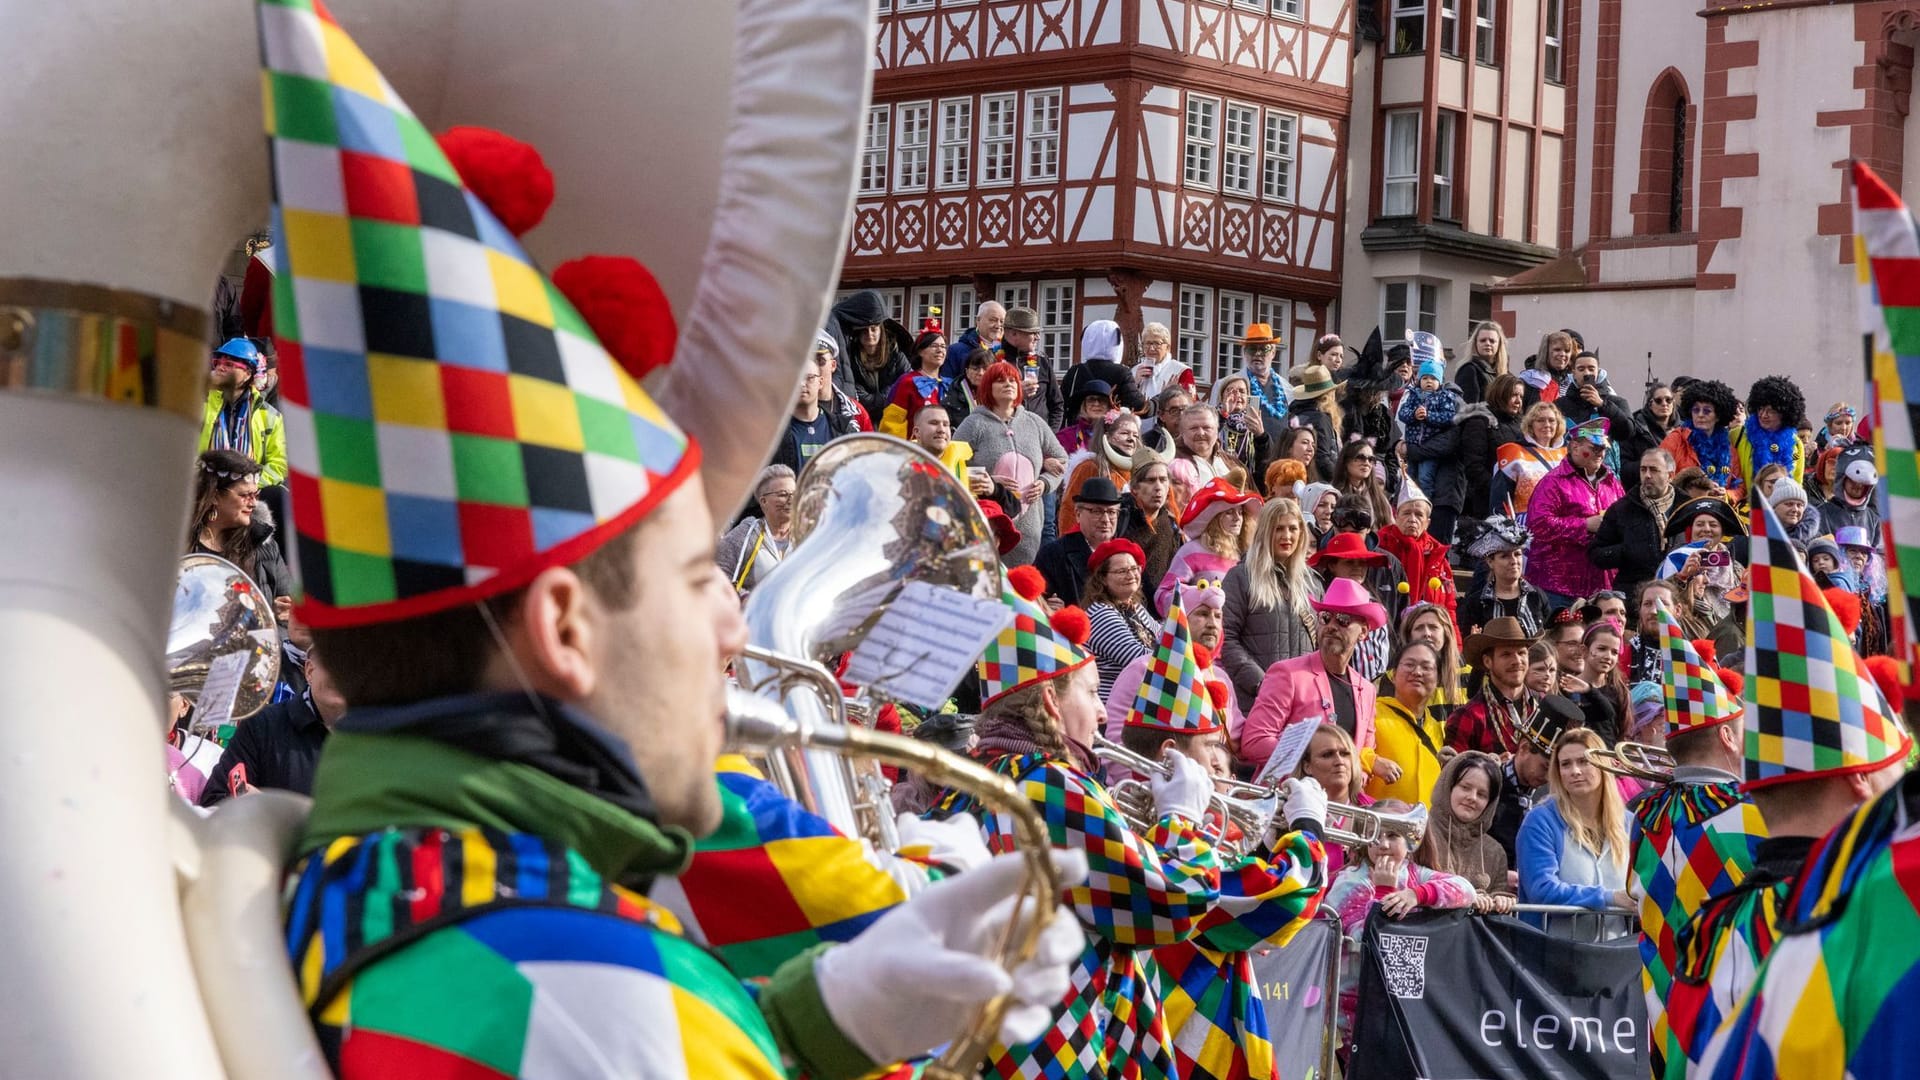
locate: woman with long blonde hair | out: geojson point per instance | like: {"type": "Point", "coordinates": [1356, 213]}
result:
{"type": "Point", "coordinates": [1269, 611]}
{"type": "Point", "coordinates": [1486, 360]}
{"type": "Point", "coordinates": [1518, 466]}
{"type": "Point", "coordinates": [1572, 848]}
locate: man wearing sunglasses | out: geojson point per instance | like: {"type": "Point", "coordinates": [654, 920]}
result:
{"type": "Point", "coordinates": [238, 417]}
{"type": "Point", "coordinates": [1322, 686]}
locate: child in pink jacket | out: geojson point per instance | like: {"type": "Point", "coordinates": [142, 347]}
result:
{"type": "Point", "coordinates": [1383, 873]}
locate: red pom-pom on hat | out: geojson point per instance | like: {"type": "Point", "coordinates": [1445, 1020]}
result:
{"type": "Point", "coordinates": [1845, 605]}
{"type": "Point", "coordinates": [626, 308]}
{"type": "Point", "coordinates": [1709, 652]}
{"type": "Point", "coordinates": [1734, 681]}
{"type": "Point", "coordinates": [1072, 623]}
{"type": "Point", "coordinates": [1217, 693]}
{"type": "Point", "coordinates": [1028, 582]}
{"type": "Point", "coordinates": [1202, 656]}
{"type": "Point", "coordinates": [1886, 675]}
{"type": "Point", "coordinates": [509, 176]}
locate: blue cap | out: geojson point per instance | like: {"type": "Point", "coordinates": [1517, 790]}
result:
{"type": "Point", "coordinates": [242, 350]}
{"type": "Point", "coordinates": [1435, 368]}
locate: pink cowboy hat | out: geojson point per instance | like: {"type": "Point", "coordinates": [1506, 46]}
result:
{"type": "Point", "coordinates": [1347, 597]}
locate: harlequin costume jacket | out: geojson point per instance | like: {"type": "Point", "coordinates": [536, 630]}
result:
{"type": "Point", "coordinates": [1835, 997]}
{"type": "Point", "coordinates": [1144, 892]}
{"type": "Point", "coordinates": [1206, 985]}
{"type": "Point", "coordinates": [471, 902]}
{"type": "Point", "coordinates": [1692, 840]}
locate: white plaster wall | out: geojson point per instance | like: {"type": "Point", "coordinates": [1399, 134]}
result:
{"type": "Point", "coordinates": [1513, 190]}
{"type": "Point", "coordinates": [1358, 293]}
{"type": "Point", "coordinates": [1524, 33]}
{"type": "Point", "coordinates": [1482, 143]}
{"type": "Point", "coordinates": [1100, 24]}
{"type": "Point", "coordinates": [1669, 262]}
{"type": "Point", "coordinates": [1546, 225]}
{"type": "Point", "coordinates": [1655, 35]}
{"type": "Point", "coordinates": [1793, 311]}
{"type": "Point", "coordinates": [1625, 326]}
{"type": "Point", "coordinates": [1403, 81]}
{"type": "Point", "coordinates": [1153, 31]}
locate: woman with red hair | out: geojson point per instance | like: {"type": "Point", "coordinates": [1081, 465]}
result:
{"type": "Point", "coordinates": [1018, 449]}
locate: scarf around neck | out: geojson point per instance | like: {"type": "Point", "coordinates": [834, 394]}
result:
{"type": "Point", "coordinates": [1715, 452]}
{"type": "Point", "coordinates": [996, 735]}
{"type": "Point", "coordinates": [1771, 447]}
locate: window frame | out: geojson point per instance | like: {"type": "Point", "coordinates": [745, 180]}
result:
{"type": "Point", "coordinates": [1553, 31]}
{"type": "Point", "coordinates": [1226, 342]}
{"type": "Point", "coordinates": [1245, 155]}
{"type": "Point", "coordinates": [1409, 178]}
{"type": "Point", "coordinates": [920, 294]}
{"type": "Point", "coordinates": [955, 142]}
{"type": "Point", "coordinates": [963, 310]}
{"type": "Point", "coordinates": [1407, 11]}
{"type": "Point", "coordinates": [1207, 144]}
{"type": "Point", "coordinates": [1044, 113]}
{"type": "Point", "coordinates": [1187, 341]}
{"type": "Point", "coordinates": [999, 153]}
{"type": "Point", "coordinates": [904, 151]}
{"type": "Point", "coordinates": [1449, 20]}
{"type": "Point", "coordinates": [1059, 314]}
{"type": "Point", "coordinates": [876, 159]}
{"type": "Point", "coordinates": [1289, 9]}
{"type": "Point", "coordinates": [1287, 155]}
{"type": "Point", "coordinates": [1446, 163]}
{"type": "Point", "coordinates": [1013, 294]}
{"type": "Point", "coordinates": [1486, 26]}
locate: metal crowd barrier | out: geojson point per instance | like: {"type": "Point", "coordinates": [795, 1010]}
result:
{"type": "Point", "coordinates": [1597, 924]}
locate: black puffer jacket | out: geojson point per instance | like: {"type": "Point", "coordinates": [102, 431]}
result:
{"type": "Point", "coordinates": [868, 386]}
{"type": "Point", "coordinates": [1482, 431]}
{"type": "Point", "coordinates": [1450, 485]}
{"type": "Point", "coordinates": [1631, 540]}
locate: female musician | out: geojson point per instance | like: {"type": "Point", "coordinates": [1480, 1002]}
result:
{"type": "Point", "coordinates": [1040, 708]}
{"type": "Point", "coordinates": [225, 490]}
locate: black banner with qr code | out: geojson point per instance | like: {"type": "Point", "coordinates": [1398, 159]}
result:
{"type": "Point", "coordinates": [1453, 996]}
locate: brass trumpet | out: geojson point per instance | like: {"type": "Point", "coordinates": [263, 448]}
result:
{"type": "Point", "coordinates": [760, 724]}
{"type": "Point", "coordinates": [1134, 799]}
{"type": "Point", "coordinates": [1653, 764]}
{"type": "Point", "coordinates": [1346, 823]}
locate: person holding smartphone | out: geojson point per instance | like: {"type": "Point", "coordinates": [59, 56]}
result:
{"type": "Point", "coordinates": [1701, 565]}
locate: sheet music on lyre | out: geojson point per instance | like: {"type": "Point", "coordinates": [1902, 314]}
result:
{"type": "Point", "coordinates": [1287, 752]}
{"type": "Point", "coordinates": [923, 646]}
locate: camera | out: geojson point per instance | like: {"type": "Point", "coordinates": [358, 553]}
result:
{"type": "Point", "coordinates": [1715, 558]}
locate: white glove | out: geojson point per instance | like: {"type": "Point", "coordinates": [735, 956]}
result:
{"type": "Point", "coordinates": [956, 842]}
{"type": "Point", "coordinates": [1306, 800]}
{"type": "Point", "coordinates": [1186, 792]}
{"type": "Point", "coordinates": [915, 978]}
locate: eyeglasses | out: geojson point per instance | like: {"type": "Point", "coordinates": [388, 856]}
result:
{"type": "Point", "coordinates": [1660, 399]}
{"type": "Point", "coordinates": [1337, 618]}
{"type": "Point", "coordinates": [1101, 511]}
{"type": "Point", "coordinates": [776, 496]}
{"type": "Point", "coordinates": [1365, 457]}
{"type": "Point", "coordinates": [1123, 571]}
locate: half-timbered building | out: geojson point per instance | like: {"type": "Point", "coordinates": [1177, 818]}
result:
{"type": "Point", "coordinates": [1172, 161]}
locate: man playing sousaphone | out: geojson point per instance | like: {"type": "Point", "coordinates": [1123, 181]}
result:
{"type": "Point", "coordinates": [1693, 838]}
{"type": "Point", "coordinates": [1268, 891]}
{"type": "Point", "coordinates": [1040, 709]}
{"type": "Point", "coordinates": [1502, 709]}
{"type": "Point", "coordinates": [489, 542]}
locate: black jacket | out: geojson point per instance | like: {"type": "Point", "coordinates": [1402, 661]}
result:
{"type": "Point", "coordinates": [1111, 372]}
{"type": "Point", "coordinates": [1481, 432]}
{"type": "Point", "coordinates": [1472, 379]}
{"type": "Point", "coordinates": [1631, 541]}
{"type": "Point", "coordinates": [1063, 562]}
{"type": "Point", "coordinates": [279, 745]}
{"type": "Point", "coordinates": [1047, 403]}
{"type": "Point", "coordinates": [1477, 609]}
{"type": "Point", "coordinates": [1160, 539]}
{"type": "Point", "coordinates": [1621, 427]}
{"type": "Point", "coordinates": [869, 387]}
{"type": "Point", "coordinates": [1450, 484]}
{"type": "Point", "coordinates": [1647, 435]}
{"type": "Point", "coordinates": [1326, 441]}
{"type": "Point", "coordinates": [788, 452]}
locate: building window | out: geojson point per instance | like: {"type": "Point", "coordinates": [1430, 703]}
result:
{"type": "Point", "coordinates": [997, 116]}
{"type": "Point", "coordinates": [1445, 145]}
{"type": "Point", "coordinates": [1235, 312]}
{"type": "Point", "coordinates": [1450, 27]}
{"type": "Point", "coordinates": [1202, 134]}
{"type": "Point", "coordinates": [913, 130]}
{"type": "Point", "coordinates": [1043, 135]}
{"type": "Point", "coordinates": [1279, 315]}
{"type": "Point", "coordinates": [1550, 44]}
{"type": "Point", "coordinates": [1397, 317]}
{"type": "Point", "coordinates": [1677, 186]}
{"type": "Point", "coordinates": [873, 151]}
{"type": "Point", "coordinates": [1407, 26]}
{"type": "Point", "coordinates": [1237, 149]}
{"type": "Point", "coordinates": [960, 312]}
{"type": "Point", "coordinates": [956, 141]}
{"type": "Point", "coordinates": [1056, 323]}
{"type": "Point", "coordinates": [1015, 294]}
{"type": "Point", "coordinates": [912, 5]}
{"type": "Point", "coordinates": [1276, 165]}
{"type": "Point", "coordinates": [1483, 16]}
{"type": "Point", "coordinates": [1193, 335]}
{"type": "Point", "coordinates": [1287, 8]}
{"type": "Point", "coordinates": [1402, 195]}
{"type": "Point", "coordinates": [883, 6]}
{"type": "Point", "coordinates": [928, 303]}
{"type": "Point", "coordinates": [896, 301]}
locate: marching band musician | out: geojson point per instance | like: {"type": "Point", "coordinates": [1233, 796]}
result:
{"type": "Point", "coordinates": [1820, 740]}
{"type": "Point", "coordinates": [491, 518]}
{"type": "Point", "coordinates": [1206, 984]}
{"type": "Point", "coordinates": [1040, 709]}
{"type": "Point", "coordinates": [1693, 838]}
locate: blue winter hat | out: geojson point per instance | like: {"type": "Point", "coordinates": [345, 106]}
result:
{"type": "Point", "coordinates": [241, 349]}
{"type": "Point", "coordinates": [1435, 368]}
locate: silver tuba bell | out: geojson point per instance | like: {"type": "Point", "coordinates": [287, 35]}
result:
{"type": "Point", "coordinates": [871, 514]}
{"type": "Point", "coordinates": [224, 626]}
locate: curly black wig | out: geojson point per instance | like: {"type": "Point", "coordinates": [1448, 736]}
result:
{"type": "Point", "coordinates": [1713, 392]}
{"type": "Point", "coordinates": [1779, 392]}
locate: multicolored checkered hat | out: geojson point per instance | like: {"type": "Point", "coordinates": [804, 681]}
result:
{"type": "Point", "coordinates": [1034, 647]}
{"type": "Point", "coordinates": [1696, 697]}
{"type": "Point", "coordinates": [453, 425]}
{"type": "Point", "coordinates": [1813, 708]}
{"type": "Point", "coordinates": [1173, 697]}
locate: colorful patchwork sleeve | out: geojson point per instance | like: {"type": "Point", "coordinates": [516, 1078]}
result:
{"type": "Point", "coordinates": [1719, 958]}
{"type": "Point", "coordinates": [808, 884]}
{"type": "Point", "coordinates": [1141, 891]}
{"type": "Point", "coordinates": [1267, 900]}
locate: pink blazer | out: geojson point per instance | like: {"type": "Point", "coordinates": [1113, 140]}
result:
{"type": "Point", "coordinates": [1297, 691]}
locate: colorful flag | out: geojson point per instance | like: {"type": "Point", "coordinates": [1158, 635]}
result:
{"type": "Point", "coordinates": [1886, 258]}
{"type": "Point", "coordinates": [1813, 708]}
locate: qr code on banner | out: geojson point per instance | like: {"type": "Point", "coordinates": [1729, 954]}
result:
{"type": "Point", "coordinates": [1403, 960]}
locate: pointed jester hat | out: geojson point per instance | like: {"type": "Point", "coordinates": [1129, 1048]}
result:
{"type": "Point", "coordinates": [1173, 696]}
{"type": "Point", "coordinates": [1035, 646]}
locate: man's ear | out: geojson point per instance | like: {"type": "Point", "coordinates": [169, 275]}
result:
{"type": "Point", "coordinates": [554, 638]}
